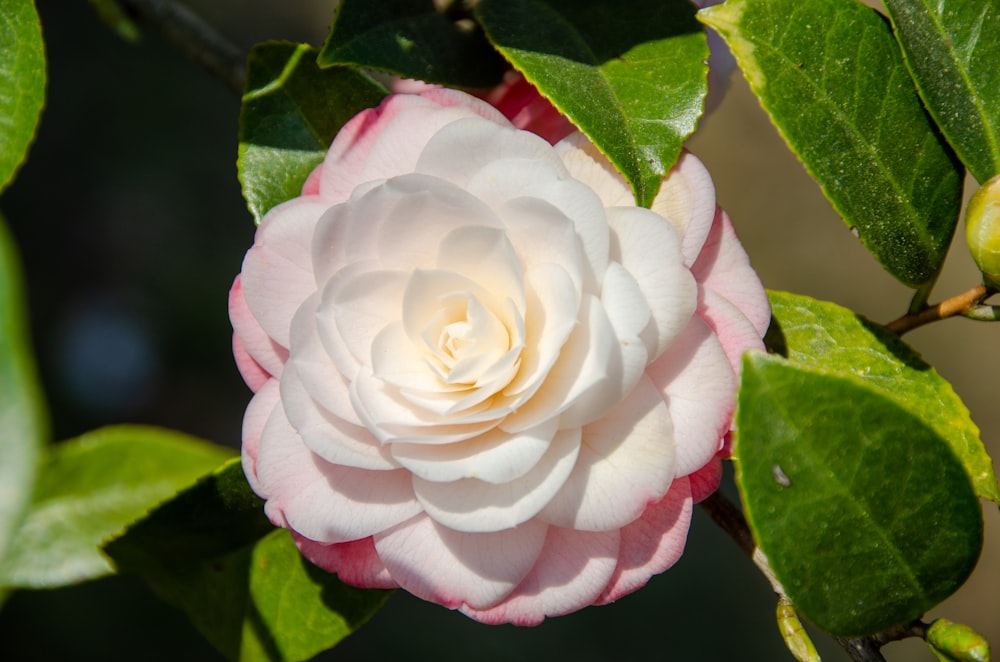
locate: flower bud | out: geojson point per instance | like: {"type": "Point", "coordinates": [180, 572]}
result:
{"type": "Point", "coordinates": [954, 642]}
{"type": "Point", "coordinates": [982, 230]}
{"type": "Point", "coordinates": [796, 638]}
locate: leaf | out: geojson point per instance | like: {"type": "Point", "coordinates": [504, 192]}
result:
{"type": "Point", "coordinates": [91, 487]}
{"type": "Point", "coordinates": [630, 75]}
{"type": "Point", "coordinates": [412, 38]}
{"type": "Point", "coordinates": [952, 49]}
{"type": "Point", "coordinates": [23, 422]}
{"type": "Point", "coordinates": [826, 338]}
{"type": "Point", "coordinates": [831, 76]}
{"type": "Point", "coordinates": [22, 83]}
{"type": "Point", "coordinates": [864, 513]}
{"type": "Point", "coordinates": [292, 110]}
{"type": "Point", "coordinates": [212, 553]}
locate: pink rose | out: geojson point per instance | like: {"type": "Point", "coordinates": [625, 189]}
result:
{"type": "Point", "coordinates": [481, 373]}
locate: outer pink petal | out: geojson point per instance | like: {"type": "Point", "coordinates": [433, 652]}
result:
{"type": "Point", "coordinates": [698, 383]}
{"type": "Point", "coordinates": [687, 199]}
{"type": "Point", "coordinates": [652, 543]}
{"type": "Point", "coordinates": [356, 563]}
{"type": "Point", "coordinates": [261, 406]}
{"type": "Point", "coordinates": [452, 568]}
{"type": "Point", "coordinates": [571, 573]}
{"type": "Point", "coordinates": [706, 480]}
{"type": "Point", "coordinates": [723, 267]}
{"type": "Point", "coordinates": [521, 103]}
{"type": "Point", "coordinates": [257, 356]}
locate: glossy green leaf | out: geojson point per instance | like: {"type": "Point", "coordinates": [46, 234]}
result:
{"type": "Point", "coordinates": [23, 424]}
{"type": "Point", "coordinates": [827, 338]}
{"type": "Point", "coordinates": [22, 83]}
{"type": "Point", "coordinates": [415, 39]}
{"type": "Point", "coordinates": [630, 75]}
{"type": "Point", "coordinates": [91, 487]}
{"type": "Point", "coordinates": [832, 78]}
{"type": "Point", "coordinates": [211, 552]}
{"type": "Point", "coordinates": [292, 110]}
{"type": "Point", "coordinates": [865, 514]}
{"type": "Point", "coordinates": [952, 49]}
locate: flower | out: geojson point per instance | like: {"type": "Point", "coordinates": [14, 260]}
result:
{"type": "Point", "coordinates": [481, 373]}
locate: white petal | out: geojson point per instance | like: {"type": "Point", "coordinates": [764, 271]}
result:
{"type": "Point", "coordinates": [626, 463]}
{"type": "Point", "coordinates": [571, 572]}
{"type": "Point", "coordinates": [359, 308]}
{"type": "Point", "coordinates": [485, 256]}
{"type": "Point", "coordinates": [699, 386]}
{"type": "Point", "coordinates": [326, 502]}
{"type": "Point", "coordinates": [473, 505]}
{"type": "Point", "coordinates": [541, 234]}
{"type": "Point", "coordinates": [453, 568]}
{"type": "Point", "coordinates": [332, 438]}
{"type": "Point", "coordinates": [649, 249]}
{"type": "Point", "coordinates": [493, 457]}
{"type": "Point", "coordinates": [261, 406]}
{"type": "Point", "coordinates": [277, 271]}
{"type": "Point", "coordinates": [687, 199]}
{"type": "Point", "coordinates": [629, 316]}
{"type": "Point", "coordinates": [586, 163]}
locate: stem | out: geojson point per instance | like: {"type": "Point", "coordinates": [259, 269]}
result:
{"type": "Point", "coordinates": [957, 305]}
{"type": "Point", "coordinates": [922, 295]}
{"type": "Point", "coordinates": [731, 520]}
{"type": "Point", "coordinates": [194, 38]}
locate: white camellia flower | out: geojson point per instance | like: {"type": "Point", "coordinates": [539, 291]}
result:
{"type": "Point", "coordinates": [481, 373]}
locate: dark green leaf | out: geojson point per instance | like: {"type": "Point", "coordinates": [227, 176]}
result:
{"type": "Point", "coordinates": [22, 83]}
{"type": "Point", "coordinates": [827, 338]}
{"type": "Point", "coordinates": [630, 75]}
{"type": "Point", "coordinates": [832, 78]}
{"type": "Point", "coordinates": [415, 39]}
{"type": "Point", "coordinates": [952, 48]}
{"type": "Point", "coordinates": [292, 110]}
{"type": "Point", "coordinates": [23, 424]}
{"type": "Point", "coordinates": [90, 488]}
{"type": "Point", "coordinates": [213, 553]}
{"type": "Point", "coordinates": [865, 514]}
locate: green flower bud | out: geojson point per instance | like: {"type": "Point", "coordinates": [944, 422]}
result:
{"type": "Point", "coordinates": [954, 642]}
{"type": "Point", "coordinates": [795, 636]}
{"type": "Point", "coordinates": [982, 230]}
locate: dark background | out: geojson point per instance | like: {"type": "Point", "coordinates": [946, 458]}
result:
{"type": "Point", "coordinates": [131, 226]}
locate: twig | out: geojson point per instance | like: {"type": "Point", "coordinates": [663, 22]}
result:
{"type": "Point", "coordinates": [957, 305]}
{"type": "Point", "coordinates": [729, 518]}
{"type": "Point", "coordinates": [194, 38]}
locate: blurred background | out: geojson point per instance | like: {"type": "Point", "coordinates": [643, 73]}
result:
{"type": "Point", "coordinates": [131, 227]}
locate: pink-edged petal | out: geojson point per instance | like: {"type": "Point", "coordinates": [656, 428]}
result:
{"type": "Point", "coordinates": [699, 386]}
{"type": "Point", "coordinates": [261, 406]}
{"type": "Point", "coordinates": [494, 456]}
{"type": "Point", "coordinates": [520, 102]}
{"type": "Point", "coordinates": [257, 355]}
{"type": "Point", "coordinates": [571, 572]}
{"type": "Point", "coordinates": [277, 271]}
{"type": "Point", "coordinates": [473, 505]}
{"type": "Point", "coordinates": [649, 250]}
{"type": "Point", "coordinates": [453, 568]}
{"type": "Point", "coordinates": [332, 438]}
{"type": "Point", "coordinates": [687, 199]}
{"type": "Point", "coordinates": [652, 543]}
{"type": "Point", "coordinates": [374, 145]}
{"type": "Point", "coordinates": [626, 463]}
{"type": "Point", "coordinates": [734, 330]}
{"type": "Point", "coordinates": [706, 480]}
{"type": "Point", "coordinates": [356, 563]}
{"type": "Point", "coordinates": [323, 501]}
{"type": "Point", "coordinates": [724, 268]}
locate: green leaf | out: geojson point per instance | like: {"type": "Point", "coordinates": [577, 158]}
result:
{"type": "Point", "coordinates": [212, 553]}
{"type": "Point", "coordinates": [863, 511]}
{"type": "Point", "coordinates": [415, 39]}
{"type": "Point", "coordinates": [630, 75]}
{"type": "Point", "coordinates": [832, 78]}
{"type": "Point", "coordinates": [90, 488]}
{"type": "Point", "coordinates": [827, 338]}
{"type": "Point", "coordinates": [952, 49]}
{"type": "Point", "coordinates": [22, 83]}
{"type": "Point", "coordinates": [23, 423]}
{"type": "Point", "coordinates": [292, 110]}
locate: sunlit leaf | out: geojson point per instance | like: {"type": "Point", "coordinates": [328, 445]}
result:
{"type": "Point", "coordinates": [832, 78]}
{"type": "Point", "coordinates": [22, 83]}
{"type": "Point", "coordinates": [630, 75]}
